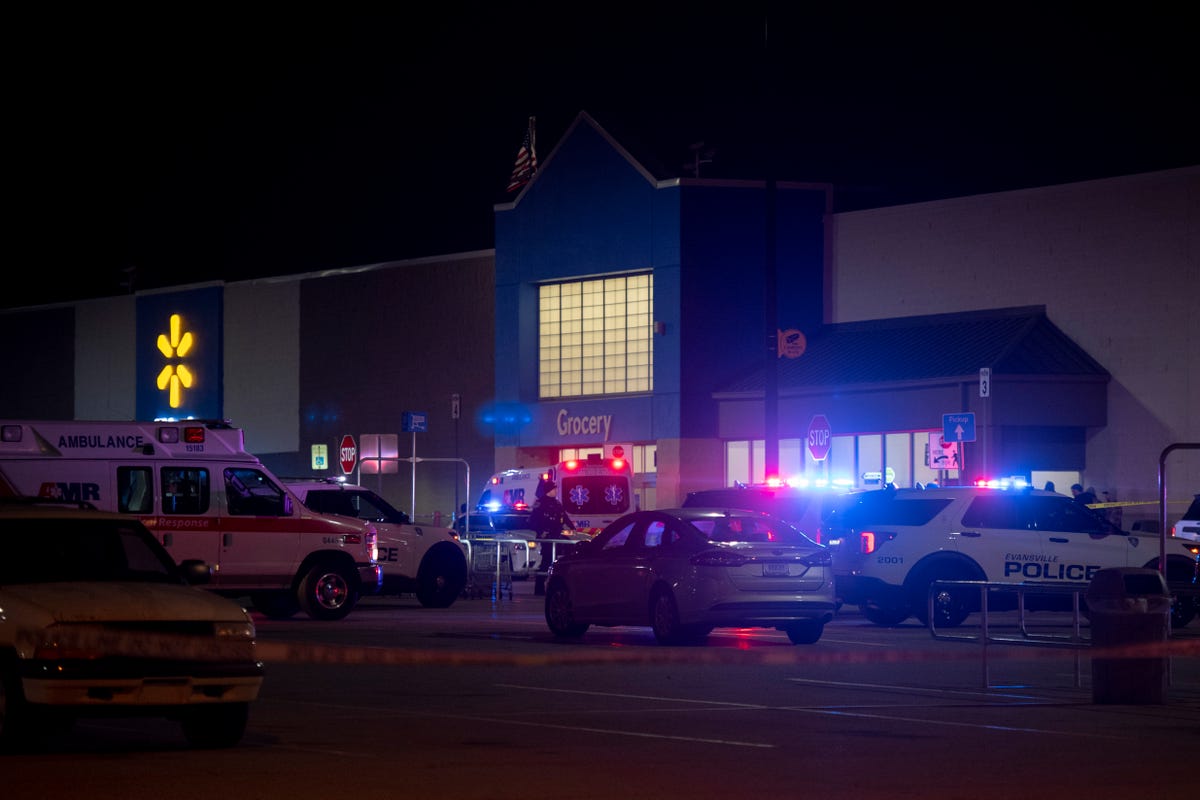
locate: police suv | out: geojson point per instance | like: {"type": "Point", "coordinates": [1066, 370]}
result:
{"type": "Point", "coordinates": [891, 544]}
{"type": "Point", "coordinates": [425, 560]}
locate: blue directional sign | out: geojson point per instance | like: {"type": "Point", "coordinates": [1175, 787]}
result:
{"type": "Point", "coordinates": [958, 427]}
{"type": "Point", "coordinates": [418, 422]}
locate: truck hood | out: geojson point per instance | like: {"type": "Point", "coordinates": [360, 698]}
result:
{"type": "Point", "coordinates": [114, 602]}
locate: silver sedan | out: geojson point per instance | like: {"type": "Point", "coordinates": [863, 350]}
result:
{"type": "Point", "coordinates": [686, 571]}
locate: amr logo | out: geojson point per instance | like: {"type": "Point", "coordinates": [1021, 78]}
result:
{"type": "Point", "coordinates": [174, 378]}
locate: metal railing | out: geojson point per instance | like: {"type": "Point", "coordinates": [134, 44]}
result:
{"type": "Point", "coordinates": [986, 636]}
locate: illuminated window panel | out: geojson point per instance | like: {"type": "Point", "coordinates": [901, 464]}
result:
{"type": "Point", "coordinates": [595, 337]}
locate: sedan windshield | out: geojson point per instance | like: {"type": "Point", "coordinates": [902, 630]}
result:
{"type": "Point", "coordinates": [84, 549]}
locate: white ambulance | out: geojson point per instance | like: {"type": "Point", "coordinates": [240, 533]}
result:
{"type": "Point", "coordinates": [193, 484]}
{"type": "Point", "coordinates": [594, 491]}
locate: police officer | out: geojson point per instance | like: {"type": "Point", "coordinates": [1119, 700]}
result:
{"type": "Point", "coordinates": [1086, 497]}
{"type": "Point", "coordinates": [548, 519]}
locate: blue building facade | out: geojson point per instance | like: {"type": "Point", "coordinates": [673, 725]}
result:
{"type": "Point", "coordinates": [594, 213]}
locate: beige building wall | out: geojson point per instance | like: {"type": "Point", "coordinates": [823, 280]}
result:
{"type": "Point", "coordinates": [1116, 263]}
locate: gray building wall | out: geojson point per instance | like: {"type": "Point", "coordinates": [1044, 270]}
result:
{"type": "Point", "coordinates": [262, 363]}
{"type": "Point", "coordinates": [105, 332]}
{"type": "Point", "coordinates": [1116, 263]}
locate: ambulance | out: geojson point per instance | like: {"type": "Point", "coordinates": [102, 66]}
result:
{"type": "Point", "coordinates": [193, 484]}
{"type": "Point", "coordinates": [594, 491]}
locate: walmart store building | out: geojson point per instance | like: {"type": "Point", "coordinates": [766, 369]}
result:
{"type": "Point", "coordinates": [622, 308]}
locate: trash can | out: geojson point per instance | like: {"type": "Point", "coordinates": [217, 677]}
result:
{"type": "Point", "coordinates": [1128, 607]}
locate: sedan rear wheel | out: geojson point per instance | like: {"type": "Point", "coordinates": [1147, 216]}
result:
{"type": "Point", "coordinates": [560, 614]}
{"type": "Point", "coordinates": [664, 619]}
{"type": "Point", "coordinates": [805, 631]}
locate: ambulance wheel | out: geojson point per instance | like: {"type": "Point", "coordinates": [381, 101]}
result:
{"type": "Point", "coordinates": [327, 591]}
{"type": "Point", "coordinates": [441, 577]}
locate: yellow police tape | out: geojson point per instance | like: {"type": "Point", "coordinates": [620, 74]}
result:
{"type": "Point", "coordinates": [1124, 503]}
{"type": "Point", "coordinates": [176, 648]}
{"type": "Point", "coordinates": [281, 652]}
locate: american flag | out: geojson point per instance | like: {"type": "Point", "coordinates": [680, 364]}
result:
{"type": "Point", "coordinates": [526, 160]}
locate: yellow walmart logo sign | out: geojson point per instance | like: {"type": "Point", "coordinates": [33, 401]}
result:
{"type": "Point", "coordinates": [175, 377]}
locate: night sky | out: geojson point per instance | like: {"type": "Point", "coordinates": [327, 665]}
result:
{"type": "Point", "coordinates": [237, 144]}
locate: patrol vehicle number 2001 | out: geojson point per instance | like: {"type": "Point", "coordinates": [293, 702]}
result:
{"type": "Point", "coordinates": [892, 544]}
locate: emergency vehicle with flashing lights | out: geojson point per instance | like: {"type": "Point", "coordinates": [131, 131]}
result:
{"type": "Point", "coordinates": [204, 497]}
{"type": "Point", "coordinates": [425, 560]}
{"type": "Point", "coordinates": [1188, 526]}
{"type": "Point", "coordinates": [803, 504]}
{"type": "Point", "coordinates": [891, 544]}
{"type": "Point", "coordinates": [594, 491]}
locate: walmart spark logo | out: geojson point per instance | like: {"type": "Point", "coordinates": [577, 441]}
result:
{"type": "Point", "coordinates": [175, 377]}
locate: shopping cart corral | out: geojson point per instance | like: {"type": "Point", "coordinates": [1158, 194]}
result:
{"type": "Point", "coordinates": [491, 561]}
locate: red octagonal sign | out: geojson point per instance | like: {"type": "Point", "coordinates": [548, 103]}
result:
{"type": "Point", "coordinates": [348, 454]}
{"type": "Point", "coordinates": [819, 437]}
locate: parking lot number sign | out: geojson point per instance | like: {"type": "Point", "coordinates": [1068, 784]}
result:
{"type": "Point", "coordinates": [348, 454]}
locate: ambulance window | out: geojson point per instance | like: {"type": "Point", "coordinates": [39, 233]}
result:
{"type": "Point", "coordinates": [249, 492]}
{"type": "Point", "coordinates": [185, 490]}
{"type": "Point", "coordinates": [134, 493]}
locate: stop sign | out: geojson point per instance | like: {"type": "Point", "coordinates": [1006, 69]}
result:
{"type": "Point", "coordinates": [819, 436]}
{"type": "Point", "coordinates": [348, 454]}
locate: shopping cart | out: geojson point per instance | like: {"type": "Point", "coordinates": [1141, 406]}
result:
{"type": "Point", "coordinates": [491, 568]}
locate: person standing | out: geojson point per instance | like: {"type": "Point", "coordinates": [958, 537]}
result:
{"type": "Point", "coordinates": [1113, 512]}
{"type": "Point", "coordinates": [1081, 496]}
{"type": "Point", "coordinates": [548, 520]}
